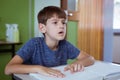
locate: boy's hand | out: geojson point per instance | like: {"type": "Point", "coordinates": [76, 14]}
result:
{"type": "Point", "coordinates": [74, 67]}
{"type": "Point", "coordinates": [51, 72]}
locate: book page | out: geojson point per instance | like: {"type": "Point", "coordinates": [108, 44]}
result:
{"type": "Point", "coordinates": [104, 68]}
{"type": "Point", "coordinates": [84, 75]}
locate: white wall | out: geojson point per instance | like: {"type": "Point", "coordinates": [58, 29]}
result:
{"type": "Point", "coordinates": [38, 5]}
{"type": "Point", "coordinates": [116, 49]}
{"type": "Point", "coordinates": [108, 30]}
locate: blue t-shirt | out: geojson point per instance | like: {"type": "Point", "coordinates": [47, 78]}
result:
{"type": "Point", "coordinates": [36, 52]}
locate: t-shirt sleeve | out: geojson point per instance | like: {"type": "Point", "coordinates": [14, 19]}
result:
{"type": "Point", "coordinates": [26, 51]}
{"type": "Point", "coordinates": [72, 51]}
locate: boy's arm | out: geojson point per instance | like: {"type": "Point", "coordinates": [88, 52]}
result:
{"type": "Point", "coordinates": [82, 61]}
{"type": "Point", "coordinates": [85, 59]}
{"type": "Point", "coordinates": [16, 66]}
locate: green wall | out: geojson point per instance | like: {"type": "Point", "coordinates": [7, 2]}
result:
{"type": "Point", "coordinates": [72, 32]}
{"type": "Point", "coordinates": [14, 11]}
{"type": "Point", "coordinates": [4, 58]}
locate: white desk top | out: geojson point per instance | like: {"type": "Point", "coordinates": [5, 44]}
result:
{"type": "Point", "coordinates": [98, 71]}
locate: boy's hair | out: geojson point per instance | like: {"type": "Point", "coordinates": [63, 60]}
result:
{"type": "Point", "coordinates": [48, 12]}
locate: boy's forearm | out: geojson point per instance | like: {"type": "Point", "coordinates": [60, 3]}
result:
{"type": "Point", "coordinates": [86, 61]}
{"type": "Point", "coordinates": [22, 69]}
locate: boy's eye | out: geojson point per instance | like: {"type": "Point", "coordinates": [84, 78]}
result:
{"type": "Point", "coordinates": [63, 22]}
{"type": "Point", "coordinates": [55, 22]}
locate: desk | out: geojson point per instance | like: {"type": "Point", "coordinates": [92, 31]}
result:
{"type": "Point", "coordinates": [12, 44]}
{"type": "Point", "coordinates": [99, 71]}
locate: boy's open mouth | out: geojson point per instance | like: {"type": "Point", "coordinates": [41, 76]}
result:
{"type": "Point", "coordinates": [61, 32]}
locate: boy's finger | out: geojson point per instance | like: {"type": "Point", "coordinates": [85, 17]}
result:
{"type": "Point", "coordinates": [72, 69]}
{"type": "Point", "coordinates": [75, 67]}
{"type": "Point", "coordinates": [81, 68]}
{"type": "Point", "coordinates": [56, 74]}
{"type": "Point", "coordinates": [67, 68]}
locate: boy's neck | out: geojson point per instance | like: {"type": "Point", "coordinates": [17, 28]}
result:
{"type": "Point", "coordinates": [53, 45]}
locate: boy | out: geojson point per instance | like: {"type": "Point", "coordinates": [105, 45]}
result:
{"type": "Point", "coordinates": [41, 53]}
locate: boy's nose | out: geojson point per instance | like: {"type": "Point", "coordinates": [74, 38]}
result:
{"type": "Point", "coordinates": [62, 25]}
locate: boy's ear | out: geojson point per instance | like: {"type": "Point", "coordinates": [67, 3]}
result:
{"type": "Point", "coordinates": [42, 27]}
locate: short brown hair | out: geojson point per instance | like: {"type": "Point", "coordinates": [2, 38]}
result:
{"type": "Point", "coordinates": [48, 12]}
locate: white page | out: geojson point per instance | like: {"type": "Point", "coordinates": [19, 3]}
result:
{"type": "Point", "coordinates": [98, 71]}
{"type": "Point", "coordinates": [79, 75]}
{"type": "Point", "coordinates": [103, 68]}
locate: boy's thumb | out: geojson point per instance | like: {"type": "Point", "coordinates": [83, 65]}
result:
{"type": "Point", "coordinates": [66, 68]}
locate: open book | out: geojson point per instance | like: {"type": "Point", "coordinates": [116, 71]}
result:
{"type": "Point", "coordinates": [98, 71]}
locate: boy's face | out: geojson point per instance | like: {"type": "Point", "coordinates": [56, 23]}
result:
{"type": "Point", "coordinates": [55, 28]}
